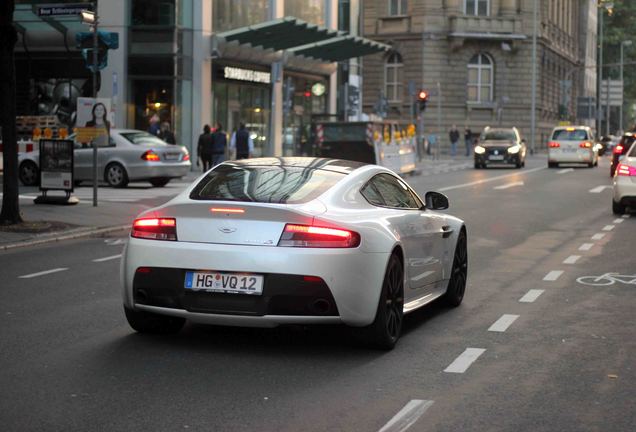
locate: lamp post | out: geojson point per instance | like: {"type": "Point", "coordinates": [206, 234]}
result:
{"type": "Point", "coordinates": [620, 119]}
{"type": "Point", "coordinates": [533, 113]}
{"type": "Point", "coordinates": [609, 7]}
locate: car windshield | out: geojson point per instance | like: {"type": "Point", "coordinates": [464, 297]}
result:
{"type": "Point", "coordinates": [143, 138]}
{"type": "Point", "coordinates": [267, 184]}
{"type": "Point", "coordinates": [569, 135]}
{"type": "Point", "coordinates": [499, 135]}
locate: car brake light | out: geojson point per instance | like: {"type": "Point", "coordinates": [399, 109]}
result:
{"type": "Point", "coordinates": [625, 170]}
{"type": "Point", "coordinates": [318, 237]}
{"type": "Point", "coordinates": [155, 229]}
{"type": "Point", "coordinates": [186, 157]}
{"type": "Point", "coordinates": [150, 156]}
{"type": "Point", "coordinates": [585, 144]}
{"type": "Point", "coordinates": [553, 144]}
{"type": "Point", "coordinates": [618, 149]}
{"type": "Point", "coordinates": [235, 210]}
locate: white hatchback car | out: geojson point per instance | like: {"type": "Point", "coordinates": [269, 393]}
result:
{"type": "Point", "coordinates": [572, 144]}
{"type": "Point", "coordinates": [625, 182]}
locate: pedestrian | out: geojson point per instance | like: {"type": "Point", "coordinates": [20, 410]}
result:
{"type": "Point", "coordinates": [219, 145]}
{"type": "Point", "coordinates": [468, 140]}
{"type": "Point", "coordinates": [453, 135]}
{"type": "Point", "coordinates": [241, 141]}
{"type": "Point", "coordinates": [204, 148]}
{"type": "Point", "coordinates": [153, 126]}
{"type": "Point", "coordinates": [166, 134]}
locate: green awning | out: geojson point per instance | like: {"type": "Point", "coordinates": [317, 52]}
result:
{"type": "Point", "coordinates": [26, 19]}
{"type": "Point", "coordinates": [340, 48]}
{"type": "Point", "coordinates": [279, 34]}
{"type": "Point", "coordinates": [302, 38]}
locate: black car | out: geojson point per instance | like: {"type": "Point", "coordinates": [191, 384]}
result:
{"type": "Point", "coordinates": [621, 148]}
{"type": "Point", "coordinates": [500, 146]}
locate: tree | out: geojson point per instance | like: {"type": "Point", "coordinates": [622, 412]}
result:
{"type": "Point", "coordinates": [8, 37]}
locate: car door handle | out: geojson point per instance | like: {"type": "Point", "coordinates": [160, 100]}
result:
{"type": "Point", "coordinates": [446, 231]}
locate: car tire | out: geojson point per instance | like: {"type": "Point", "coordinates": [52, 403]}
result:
{"type": "Point", "coordinates": [147, 322]}
{"type": "Point", "coordinates": [29, 173]}
{"type": "Point", "coordinates": [553, 165]}
{"type": "Point", "coordinates": [116, 175]}
{"type": "Point", "coordinates": [457, 283]}
{"type": "Point", "coordinates": [590, 165]}
{"type": "Point", "coordinates": [477, 165]}
{"type": "Point", "coordinates": [159, 181]}
{"type": "Point", "coordinates": [617, 208]}
{"type": "Point", "coordinates": [518, 165]}
{"type": "Point", "coordinates": [385, 330]}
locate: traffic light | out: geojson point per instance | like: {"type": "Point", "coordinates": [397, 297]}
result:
{"type": "Point", "coordinates": [105, 41]}
{"type": "Point", "coordinates": [422, 99]}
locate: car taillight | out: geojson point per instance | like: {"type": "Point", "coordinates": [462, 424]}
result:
{"type": "Point", "coordinates": [585, 144]}
{"type": "Point", "coordinates": [155, 229]}
{"type": "Point", "coordinates": [553, 144]}
{"type": "Point", "coordinates": [150, 156]}
{"type": "Point", "coordinates": [186, 157]}
{"type": "Point", "coordinates": [618, 149]}
{"type": "Point", "coordinates": [318, 237]}
{"type": "Point", "coordinates": [625, 170]}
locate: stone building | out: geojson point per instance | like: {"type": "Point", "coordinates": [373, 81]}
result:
{"type": "Point", "coordinates": [475, 58]}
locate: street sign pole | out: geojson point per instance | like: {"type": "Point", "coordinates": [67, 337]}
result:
{"type": "Point", "coordinates": [607, 105]}
{"type": "Point", "coordinates": [95, 47]}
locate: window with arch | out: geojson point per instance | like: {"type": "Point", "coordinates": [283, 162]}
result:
{"type": "Point", "coordinates": [480, 78]}
{"type": "Point", "coordinates": [477, 7]}
{"type": "Point", "coordinates": [393, 71]}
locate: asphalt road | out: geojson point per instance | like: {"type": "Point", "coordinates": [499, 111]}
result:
{"type": "Point", "coordinates": [561, 358]}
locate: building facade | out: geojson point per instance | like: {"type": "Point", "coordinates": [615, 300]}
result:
{"type": "Point", "coordinates": [475, 59]}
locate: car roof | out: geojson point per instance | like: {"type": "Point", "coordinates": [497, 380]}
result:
{"type": "Point", "coordinates": [335, 165]}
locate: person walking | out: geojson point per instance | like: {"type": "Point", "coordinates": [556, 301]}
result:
{"type": "Point", "coordinates": [204, 148]}
{"type": "Point", "coordinates": [242, 142]}
{"type": "Point", "coordinates": [166, 134]}
{"type": "Point", "coordinates": [453, 135]}
{"type": "Point", "coordinates": [219, 144]}
{"type": "Point", "coordinates": [468, 140]}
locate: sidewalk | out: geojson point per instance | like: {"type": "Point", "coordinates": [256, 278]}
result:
{"type": "Point", "coordinates": [50, 223]}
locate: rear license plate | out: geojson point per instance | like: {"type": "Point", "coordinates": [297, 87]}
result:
{"type": "Point", "coordinates": [495, 157]}
{"type": "Point", "coordinates": [229, 283]}
{"type": "Point", "coordinates": [172, 156]}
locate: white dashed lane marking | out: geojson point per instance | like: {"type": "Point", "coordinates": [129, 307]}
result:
{"type": "Point", "coordinates": [465, 359]}
{"type": "Point", "coordinates": [553, 275]}
{"type": "Point", "coordinates": [407, 416]}
{"type": "Point", "coordinates": [566, 170]}
{"type": "Point", "coordinates": [619, 220]}
{"type": "Point", "coordinates": [108, 258]}
{"type": "Point", "coordinates": [599, 189]}
{"type": "Point", "coordinates": [531, 296]}
{"type": "Point", "coordinates": [598, 236]}
{"type": "Point", "coordinates": [42, 273]}
{"type": "Point", "coordinates": [502, 324]}
{"type": "Point", "coordinates": [572, 259]}
{"type": "Point", "coordinates": [625, 216]}
{"type": "Point", "coordinates": [608, 227]}
{"type": "Point", "coordinates": [586, 246]}
{"type": "Point", "coordinates": [460, 186]}
{"type": "Point", "coordinates": [509, 185]}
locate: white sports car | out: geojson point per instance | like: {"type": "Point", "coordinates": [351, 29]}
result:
{"type": "Point", "coordinates": [271, 241]}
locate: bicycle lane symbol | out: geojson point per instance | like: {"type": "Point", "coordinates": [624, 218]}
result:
{"type": "Point", "coordinates": [607, 279]}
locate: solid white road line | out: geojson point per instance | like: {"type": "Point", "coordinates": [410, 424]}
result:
{"type": "Point", "coordinates": [608, 227]}
{"type": "Point", "coordinates": [599, 189]}
{"type": "Point", "coordinates": [465, 359]}
{"type": "Point", "coordinates": [566, 170]}
{"type": "Point", "coordinates": [42, 273]}
{"type": "Point", "coordinates": [108, 258]}
{"type": "Point", "coordinates": [502, 324]}
{"type": "Point", "coordinates": [598, 236]}
{"type": "Point", "coordinates": [586, 246]}
{"type": "Point", "coordinates": [407, 416]}
{"type": "Point", "coordinates": [531, 296]}
{"type": "Point", "coordinates": [509, 185]}
{"type": "Point", "coordinates": [619, 220]}
{"type": "Point", "coordinates": [572, 259]}
{"type": "Point", "coordinates": [447, 188]}
{"type": "Point", "coordinates": [553, 275]}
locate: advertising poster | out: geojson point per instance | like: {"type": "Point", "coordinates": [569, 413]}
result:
{"type": "Point", "coordinates": [56, 164]}
{"type": "Point", "coordinates": [94, 120]}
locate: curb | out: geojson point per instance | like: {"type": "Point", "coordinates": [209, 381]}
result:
{"type": "Point", "coordinates": [66, 235]}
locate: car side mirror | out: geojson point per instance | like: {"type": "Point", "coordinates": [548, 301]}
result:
{"type": "Point", "coordinates": [436, 201]}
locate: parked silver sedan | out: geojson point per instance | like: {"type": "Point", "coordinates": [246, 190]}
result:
{"type": "Point", "coordinates": [131, 155]}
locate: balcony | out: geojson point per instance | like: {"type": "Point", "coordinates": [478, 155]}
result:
{"type": "Point", "coordinates": [398, 24]}
{"type": "Point", "coordinates": [477, 27]}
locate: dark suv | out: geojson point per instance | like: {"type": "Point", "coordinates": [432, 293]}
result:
{"type": "Point", "coordinates": [621, 148]}
{"type": "Point", "coordinates": [500, 146]}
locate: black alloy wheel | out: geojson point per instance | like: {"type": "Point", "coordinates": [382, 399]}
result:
{"type": "Point", "coordinates": [385, 330]}
{"type": "Point", "coordinates": [457, 283]}
{"type": "Point", "coordinates": [116, 175]}
{"type": "Point", "coordinates": [29, 173]}
{"type": "Point", "coordinates": [147, 322]}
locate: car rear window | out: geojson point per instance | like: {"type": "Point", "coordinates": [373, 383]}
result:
{"type": "Point", "coordinates": [499, 136]}
{"type": "Point", "coordinates": [267, 184]}
{"type": "Point", "coordinates": [626, 142]}
{"type": "Point", "coordinates": [570, 135]}
{"type": "Point", "coordinates": [143, 138]}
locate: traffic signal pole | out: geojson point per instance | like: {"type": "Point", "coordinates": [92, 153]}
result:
{"type": "Point", "coordinates": [95, 47]}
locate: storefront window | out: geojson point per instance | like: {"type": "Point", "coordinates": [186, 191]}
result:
{"type": "Point", "coordinates": [310, 98]}
{"type": "Point", "coordinates": [153, 101]}
{"type": "Point", "coordinates": [312, 11]}
{"type": "Point", "coordinates": [232, 14]}
{"type": "Point", "coordinates": [153, 12]}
